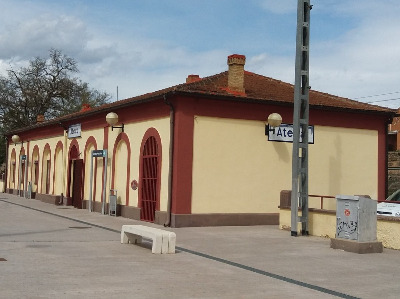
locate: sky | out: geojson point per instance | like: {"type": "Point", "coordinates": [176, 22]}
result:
{"type": "Point", "coordinates": [140, 46]}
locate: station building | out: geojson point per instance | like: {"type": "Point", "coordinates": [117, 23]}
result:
{"type": "Point", "coordinates": [198, 154]}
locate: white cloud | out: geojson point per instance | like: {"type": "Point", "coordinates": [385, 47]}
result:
{"type": "Point", "coordinates": [34, 36]}
{"type": "Point", "coordinates": [363, 60]}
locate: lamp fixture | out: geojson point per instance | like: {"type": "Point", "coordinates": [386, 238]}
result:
{"type": "Point", "coordinates": [112, 119]}
{"type": "Point", "coordinates": [16, 139]}
{"type": "Point", "coordinates": [274, 120]}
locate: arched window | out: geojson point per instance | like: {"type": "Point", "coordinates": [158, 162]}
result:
{"type": "Point", "coordinates": [150, 175]}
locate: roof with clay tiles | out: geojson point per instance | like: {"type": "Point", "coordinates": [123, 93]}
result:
{"type": "Point", "coordinates": [258, 88]}
{"type": "Point", "coordinates": [261, 88]}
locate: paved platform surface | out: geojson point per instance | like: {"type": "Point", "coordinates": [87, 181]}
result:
{"type": "Point", "coordinates": [49, 251]}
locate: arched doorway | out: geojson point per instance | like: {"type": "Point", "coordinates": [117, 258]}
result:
{"type": "Point", "coordinates": [150, 166]}
{"type": "Point", "coordinates": [76, 176]}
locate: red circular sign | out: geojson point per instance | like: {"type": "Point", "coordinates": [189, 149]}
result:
{"type": "Point", "coordinates": [134, 185]}
{"type": "Point", "coordinates": [347, 212]}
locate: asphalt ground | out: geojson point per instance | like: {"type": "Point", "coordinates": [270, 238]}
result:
{"type": "Point", "coordinates": [49, 251]}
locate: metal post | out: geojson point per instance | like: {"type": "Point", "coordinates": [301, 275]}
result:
{"type": "Point", "coordinates": [91, 182]}
{"type": "Point", "coordinates": [300, 121]}
{"type": "Point", "coordinates": [26, 175]}
{"type": "Point", "coordinates": [105, 157]}
{"type": "Point", "coordinates": [19, 175]}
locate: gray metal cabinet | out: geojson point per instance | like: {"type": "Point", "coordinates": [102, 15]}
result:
{"type": "Point", "coordinates": [356, 218]}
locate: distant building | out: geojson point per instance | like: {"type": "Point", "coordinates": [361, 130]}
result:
{"type": "Point", "coordinates": [197, 153]}
{"type": "Point", "coordinates": [393, 131]}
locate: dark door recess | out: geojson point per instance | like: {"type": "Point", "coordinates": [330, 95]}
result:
{"type": "Point", "coordinates": [77, 183]}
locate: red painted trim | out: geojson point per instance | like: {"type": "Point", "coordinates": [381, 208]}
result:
{"type": "Point", "coordinates": [41, 133]}
{"type": "Point", "coordinates": [382, 163]}
{"type": "Point", "coordinates": [122, 137]}
{"type": "Point", "coordinates": [59, 145]}
{"type": "Point", "coordinates": [131, 114]}
{"type": "Point", "coordinates": [151, 132]}
{"type": "Point", "coordinates": [90, 141]}
{"type": "Point", "coordinates": [183, 157]}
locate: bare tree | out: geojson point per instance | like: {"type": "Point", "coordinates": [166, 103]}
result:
{"type": "Point", "coordinates": [45, 87]}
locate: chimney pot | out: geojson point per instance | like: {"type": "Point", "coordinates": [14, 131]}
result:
{"type": "Point", "coordinates": [40, 118]}
{"type": "Point", "coordinates": [236, 64]}
{"type": "Point", "coordinates": [85, 107]}
{"type": "Point", "coordinates": [192, 78]}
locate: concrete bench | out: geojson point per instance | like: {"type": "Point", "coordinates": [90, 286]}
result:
{"type": "Point", "coordinates": [163, 241]}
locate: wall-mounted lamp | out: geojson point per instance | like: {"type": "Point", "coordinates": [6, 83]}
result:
{"type": "Point", "coordinates": [274, 120]}
{"type": "Point", "coordinates": [112, 119]}
{"type": "Point", "coordinates": [16, 139]}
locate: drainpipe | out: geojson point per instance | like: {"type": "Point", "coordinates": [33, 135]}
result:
{"type": "Point", "coordinates": [5, 174]}
{"type": "Point", "coordinates": [388, 122]}
{"type": "Point", "coordinates": [171, 159]}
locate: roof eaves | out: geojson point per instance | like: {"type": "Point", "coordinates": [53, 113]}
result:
{"type": "Point", "coordinates": [92, 111]}
{"type": "Point", "coordinates": [239, 98]}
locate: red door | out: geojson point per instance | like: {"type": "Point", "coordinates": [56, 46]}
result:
{"type": "Point", "coordinates": [77, 183]}
{"type": "Point", "coordinates": [149, 178]}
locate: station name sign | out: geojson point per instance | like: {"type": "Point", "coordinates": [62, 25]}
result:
{"type": "Point", "coordinates": [284, 133]}
{"type": "Point", "coordinates": [99, 153]}
{"type": "Point", "coordinates": [74, 131]}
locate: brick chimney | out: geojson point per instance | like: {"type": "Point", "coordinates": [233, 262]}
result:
{"type": "Point", "coordinates": [192, 78]}
{"type": "Point", "coordinates": [236, 64]}
{"type": "Point", "coordinates": [85, 107]}
{"type": "Point", "coordinates": [40, 118]}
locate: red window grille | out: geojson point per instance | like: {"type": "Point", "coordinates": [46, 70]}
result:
{"type": "Point", "coordinates": [149, 179]}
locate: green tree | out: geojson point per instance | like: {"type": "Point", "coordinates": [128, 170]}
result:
{"type": "Point", "coordinates": [45, 87]}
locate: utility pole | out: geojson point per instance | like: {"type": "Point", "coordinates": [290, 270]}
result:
{"type": "Point", "coordinates": [299, 196]}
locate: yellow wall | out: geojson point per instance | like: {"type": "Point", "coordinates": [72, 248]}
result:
{"type": "Point", "coordinates": [87, 182]}
{"type": "Point", "coordinates": [48, 155]}
{"type": "Point", "coordinates": [135, 133]}
{"type": "Point", "coordinates": [343, 161]}
{"type": "Point", "coordinates": [58, 175]}
{"type": "Point", "coordinates": [120, 181]}
{"type": "Point", "coordinates": [388, 232]}
{"type": "Point", "coordinates": [237, 170]}
{"type": "Point", "coordinates": [324, 225]}
{"type": "Point", "coordinates": [98, 135]}
{"type": "Point", "coordinates": [31, 174]}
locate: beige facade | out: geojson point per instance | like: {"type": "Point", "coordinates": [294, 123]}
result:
{"type": "Point", "coordinates": [196, 154]}
{"type": "Point", "coordinates": [237, 170]}
{"type": "Point", "coordinates": [48, 162]}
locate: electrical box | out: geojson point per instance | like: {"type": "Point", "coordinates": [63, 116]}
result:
{"type": "Point", "coordinates": [356, 218]}
{"type": "Point", "coordinates": [112, 206]}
